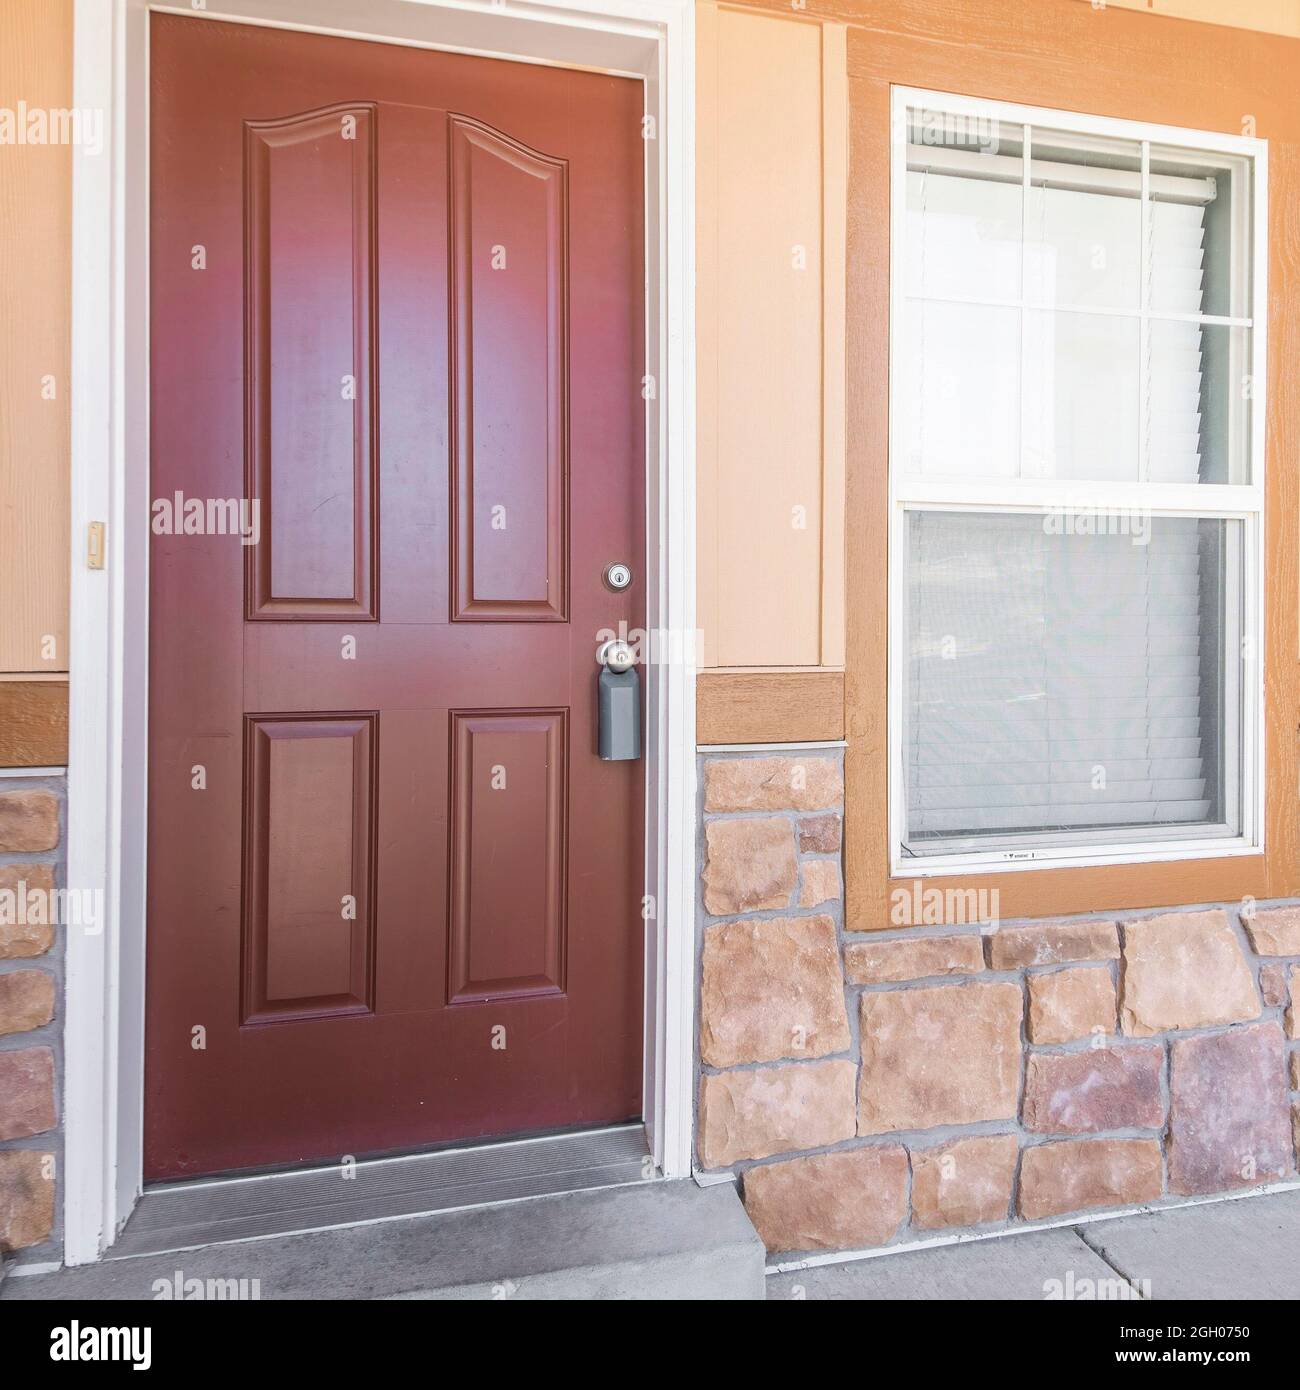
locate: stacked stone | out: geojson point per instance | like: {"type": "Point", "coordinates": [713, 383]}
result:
{"type": "Point", "coordinates": [29, 842]}
{"type": "Point", "coordinates": [877, 1089]}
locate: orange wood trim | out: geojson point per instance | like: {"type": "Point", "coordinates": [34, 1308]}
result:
{"type": "Point", "coordinates": [794, 706]}
{"type": "Point", "coordinates": [33, 723]}
{"type": "Point", "coordinates": [1059, 53]}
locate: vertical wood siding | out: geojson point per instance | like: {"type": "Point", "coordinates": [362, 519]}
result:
{"type": "Point", "coordinates": [772, 146]}
{"type": "Point", "coordinates": [35, 297]}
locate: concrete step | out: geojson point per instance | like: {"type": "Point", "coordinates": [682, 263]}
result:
{"type": "Point", "coordinates": [655, 1240]}
{"type": "Point", "coordinates": [189, 1215]}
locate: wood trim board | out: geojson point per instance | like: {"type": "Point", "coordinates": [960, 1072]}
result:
{"type": "Point", "coordinates": [33, 723]}
{"type": "Point", "coordinates": [769, 706]}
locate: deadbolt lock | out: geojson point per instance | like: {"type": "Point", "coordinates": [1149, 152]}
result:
{"type": "Point", "coordinates": [618, 576]}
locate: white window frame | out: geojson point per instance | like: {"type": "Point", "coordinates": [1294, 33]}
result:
{"type": "Point", "coordinates": [1243, 502]}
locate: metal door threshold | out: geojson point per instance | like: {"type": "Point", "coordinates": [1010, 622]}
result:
{"type": "Point", "coordinates": [210, 1211]}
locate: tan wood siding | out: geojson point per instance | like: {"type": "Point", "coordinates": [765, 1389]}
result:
{"type": "Point", "coordinates": [35, 297]}
{"type": "Point", "coordinates": [772, 146]}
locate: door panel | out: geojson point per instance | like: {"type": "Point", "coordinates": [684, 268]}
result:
{"type": "Point", "coordinates": [309, 826]}
{"type": "Point", "coordinates": [309, 253]}
{"type": "Point", "coordinates": [509, 373]}
{"type": "Point", "coordinates": [510, 810]}
{"type": "Point", "coordinates": [394, 896]}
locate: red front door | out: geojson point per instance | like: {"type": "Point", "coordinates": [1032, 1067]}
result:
{"type": "Point", "coordinates": [394, 896]}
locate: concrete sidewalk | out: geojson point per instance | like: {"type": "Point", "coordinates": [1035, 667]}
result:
{"type": "Point", "coordinates": [1241, 1249]}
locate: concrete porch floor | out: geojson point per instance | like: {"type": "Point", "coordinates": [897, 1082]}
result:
{"type": "Point", "coordinates": [1245, 1249]}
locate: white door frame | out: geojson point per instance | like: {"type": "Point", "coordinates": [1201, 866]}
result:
{"type": "Point", "coordinates": [108, 741]}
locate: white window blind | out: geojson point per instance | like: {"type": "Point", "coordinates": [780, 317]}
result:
{"type": "Point", "coordinates": [1059, 682]}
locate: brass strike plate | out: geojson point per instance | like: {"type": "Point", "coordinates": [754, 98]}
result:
{"type": "Point", "coordinates": [95, 545]}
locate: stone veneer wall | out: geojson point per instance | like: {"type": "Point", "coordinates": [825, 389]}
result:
{"type": "Point", "coordinates": [31, 992]}
{"type": "Point", "coordinates": [880, 1088]}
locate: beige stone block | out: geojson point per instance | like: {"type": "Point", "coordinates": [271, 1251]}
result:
{"type": "Point", "coordinates": [1184, 970]}
{"type": "Point", "coordinates": [749, 865]}
{"type": "Point", "coordinates": [26, 1198]}
{"type": "Point", "coordinates": [26, 1000]}
{"type": "Point", "coordinates": [1274, 931]}
{"type": "Point", "coordinates": [29, 822]}
{"type": "Point", "coordinates": [21, 936]}
{"type": "Point", "coordinates": [771, 989]}
{"type": "Point", "coordinates": [948, 1055]}
{"type": "Point", "coordinates": [1065, 1005]}
{"type": "Point", "coordinates": [836, 1201]}
{"type": "Point", "coordinates": [915, 958]}
{"type": "Point", "coordinates": [819, 882]}
{"type": "Point", "coordinates": [1052, 943]}
{"type": "Point", "coordinates": [964, 1183]}
{"type": "Point", "coordinates": [1081, 1174]}
{"type": "Point", "coordinates": [1273, 984]}
{"type": "Point", "coordinates": [786, 783]}
{"type": "Point", "coordinates": [772, 1110]}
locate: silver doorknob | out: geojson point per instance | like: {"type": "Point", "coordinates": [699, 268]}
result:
{"type": "Point", "coordinates": [616, 654]}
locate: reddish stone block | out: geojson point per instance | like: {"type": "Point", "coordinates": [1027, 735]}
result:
{"type": "Point", "coordinates": [1089, 1092]}
{"type": "Point", "coordinates": [26, 1092]}
{"type": "Point", "coordinates": [1229, 1118]}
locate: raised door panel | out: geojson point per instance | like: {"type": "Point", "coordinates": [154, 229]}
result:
{"type": "Point", "coordinates": [309, 830]}
{"type": "Point", "coordinates": [509, 365]}
{"type": "Point", "coordinates": [509, 833]}
{"type": "Point", "coordinates": [311, 450]}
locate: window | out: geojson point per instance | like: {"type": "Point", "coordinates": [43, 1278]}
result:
{"type": "Point", "coordinates": [1076, 485]}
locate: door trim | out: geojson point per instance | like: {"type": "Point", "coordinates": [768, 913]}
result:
{"type": "Point", "coordinates": [108, 734]}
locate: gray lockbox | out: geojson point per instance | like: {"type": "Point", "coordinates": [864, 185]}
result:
{"type": "Point", "coordinates": [620, 715]}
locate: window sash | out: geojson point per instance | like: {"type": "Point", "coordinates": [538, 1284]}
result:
{"type": "Point", "coordinates": [1044, 761]}
{"type": "Point", "coordinates": [1053, 849]}
{"type": "Point", "coordinates": [1142, 313]}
